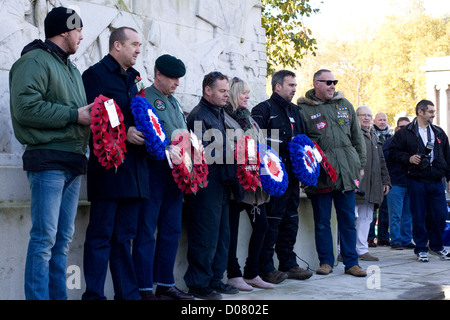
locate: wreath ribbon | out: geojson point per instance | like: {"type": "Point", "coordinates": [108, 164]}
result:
{"type": "Point", "coordinates": [191, 172]}
{"type": "Point", "coordinates": [108, 142]}
{"type": "Point", "coordinates": [147, 122]}
{"type": "Point", "coordinates": [274, 178]}
{"type": "Point", "coordinates": [326, 165]}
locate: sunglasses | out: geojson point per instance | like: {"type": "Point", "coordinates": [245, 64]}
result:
{"type": "Point", "coordinates": [329, 82]}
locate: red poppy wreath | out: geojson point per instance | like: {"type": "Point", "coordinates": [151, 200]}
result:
{"type": "Point", "coordinates": [108, 141]}
{"type": "Point", "coordinates": [192, 171]}
{"type": "Point", "coordinates": [248, 162]}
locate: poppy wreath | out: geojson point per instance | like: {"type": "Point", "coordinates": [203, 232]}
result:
{"type": "Point", "coordinates": [305, 162]}
{"type": "Point", "coordinates": [108, 142]}
{"type": "Point", "coordinates": [190, 174]}
{"type": "Point", "coordinates": [247, 170]}
{"type": "Point", "coordinates": [149, 124]}
{"type": "Point", "coordinates": [274, 178]}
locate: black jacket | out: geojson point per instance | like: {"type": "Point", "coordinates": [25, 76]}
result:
{"type": "Point", "coordinates": [131, 180]}
{"type": "Point", "coordinates": [407, 142]}
{"type": "Point", "coordinates": [276, 115]}
{"type": "Point", "coordinates": [210, 119]}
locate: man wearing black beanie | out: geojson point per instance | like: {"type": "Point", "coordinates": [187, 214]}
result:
{"type": "Point", "coordinates": [50, 116]}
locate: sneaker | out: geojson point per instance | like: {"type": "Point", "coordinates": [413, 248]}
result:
{"type": "Point", "coordinates": [443, 254]}
{"type": "Point", "coordinates": [422, 257]}
{"type": "Point", "coordinates": [396, 246]}
{"type": "Point", "coordinates": [205, 293]}
{"type": "Point", "coordinates": [324, 269]}
{"type": "Point", "coordinates": [367, 257]}
{"type": "Point", "coordinates": [356, 271]}
{"type": "Point", "coordinates": [298, 273]}
{"type": "Point", "coordinates": [240, 284]}
{"type": "Point", "coordinates": [257, 282]}
{"type": "Point", "coordinates": [275, 276]}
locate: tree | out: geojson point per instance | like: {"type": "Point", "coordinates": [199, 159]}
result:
{"type": "Point", "coordinates": [288, 40]}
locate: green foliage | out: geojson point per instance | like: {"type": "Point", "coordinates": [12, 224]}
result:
{"type": "Point", "coordinates": [385, 70]}
{"type": "Point", "coordinates": [288, 40]}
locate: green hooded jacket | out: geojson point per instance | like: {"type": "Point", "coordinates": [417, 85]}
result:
{"type": "Point", "coordinates": [45, 95]}
{"type": "Point", "coordinates": [334, 126]}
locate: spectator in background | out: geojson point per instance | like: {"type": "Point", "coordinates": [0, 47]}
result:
{"type": "Point", "coordinates": [400, 220]}
{"type": "Point", "coordinates": [382, 130]}
{"type": "Point", "coordinates": [423, 150]}
{"type": "Point", "coordinates": [375, 184]}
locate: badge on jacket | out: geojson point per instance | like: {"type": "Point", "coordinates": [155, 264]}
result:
{"type": "Point", "coordinates": [160, 105]}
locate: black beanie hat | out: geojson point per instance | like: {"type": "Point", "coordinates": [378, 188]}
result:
{"type": "Point", "coordinates": [170, 66]}
{"type": "Point", "coordinates": [61, 20]}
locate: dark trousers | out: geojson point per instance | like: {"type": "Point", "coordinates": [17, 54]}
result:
{"type": "Point", "coordinates": [154, 259]}
{"type": "Point", "coordinates": [382, 215]}
{"type": "Point", "coordinates": [429, 211]}
{"type": "Point", "coordinates": [282, 216]}
{"type": "Point", "coordinates": [112, 227]}
{"type": "Point", "coordinates": [208, 233]}
{"type": "Point", "coordinates": [258, 220]}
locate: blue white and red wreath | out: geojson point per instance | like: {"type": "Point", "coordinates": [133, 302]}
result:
{"type": "Point", "coordinates": [305, 160]}
{"type": "Point", "coordinates": [274, 179]}
{"type": "Point", "coordinates": [147, 121]}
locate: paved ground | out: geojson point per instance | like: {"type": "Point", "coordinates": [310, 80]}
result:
{"type": "Point", "coordinates": [397, 276]}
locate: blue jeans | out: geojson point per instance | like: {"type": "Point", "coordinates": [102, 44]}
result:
{"type": "Point", "coordinates": [400, 220]}
{"type": "Point", "coordinates": [344, 203]}
{"type": "Point", "coordinates": [429, 211]}
{"type": "Point", "coordinates": [54, 202]}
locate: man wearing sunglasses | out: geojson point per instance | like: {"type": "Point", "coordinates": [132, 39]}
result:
{"type": "Point", "coordinates": [331, 121]}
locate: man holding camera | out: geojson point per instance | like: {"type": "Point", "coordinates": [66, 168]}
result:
{"type": "Point", "coordinates": [424, 151]}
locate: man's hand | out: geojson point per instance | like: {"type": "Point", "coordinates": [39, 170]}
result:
{"type": "Point", "coordinates": [386, 189]}
{"type": "Point", "coordinates": [84, 115]}
{"type": "Point", "coordinates": [415, 159]}
{"type": "Point", "coordinates": [135, 137]}
{"type": "Point", "coordinates": [175, 154]}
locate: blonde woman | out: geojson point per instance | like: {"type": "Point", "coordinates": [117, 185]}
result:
{"type": "Point", "coordinates": [238, 117]}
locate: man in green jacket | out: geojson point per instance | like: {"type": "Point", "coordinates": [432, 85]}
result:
{"type": "Point", "coordinates": [331, 122]}
{"type": "Point", "coordinates": [50, 116]}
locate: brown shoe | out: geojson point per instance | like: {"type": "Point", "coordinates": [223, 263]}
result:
{"type": "Point", "coordinates": [275, 276]}
{"type": "Point", "coordinates": [324, 269]}
{"type": "Point", "coordinates": [298, 273]}
{"type": "Point", "coordinates": [367, 257]}
{"type": "Point", "coordinates": [356, 271]}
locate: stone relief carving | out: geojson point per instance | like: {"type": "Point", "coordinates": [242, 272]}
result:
{"type": "Point", "coordinates": [207, 35]}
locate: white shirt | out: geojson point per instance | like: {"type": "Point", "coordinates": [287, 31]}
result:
{"type": "Point", "coordinates": [424, 135]}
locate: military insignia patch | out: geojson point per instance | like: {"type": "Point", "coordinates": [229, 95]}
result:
{"type": "Point", "coordinates": [160, 105]}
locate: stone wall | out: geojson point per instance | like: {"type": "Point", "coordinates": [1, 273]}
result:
{"type": "Point", "coordinates": [224, 35]}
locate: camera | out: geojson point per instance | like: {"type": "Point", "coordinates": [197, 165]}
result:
{"type": "Point", "coordinates": [425, 160]}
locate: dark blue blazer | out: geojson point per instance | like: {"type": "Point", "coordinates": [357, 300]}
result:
{"type": "Point", "coordinates": [131, 180]}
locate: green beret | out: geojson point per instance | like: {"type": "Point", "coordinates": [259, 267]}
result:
{"type": "Point", "coordinates": [170, 66]}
